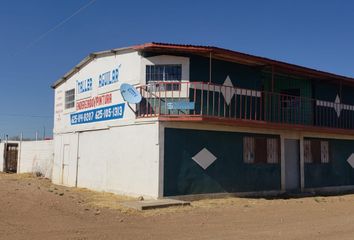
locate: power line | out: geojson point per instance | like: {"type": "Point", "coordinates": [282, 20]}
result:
{"type": "Point", "coordinates": [43, 35]}
{"type": "Point", "coordinates": [25, 115]}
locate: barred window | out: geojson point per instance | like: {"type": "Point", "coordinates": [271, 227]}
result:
{"type": "Point", "coordinates": [248, 150]}
{"type": "Point", "coordinates": [167, 73]}
{"type": "Point", "coordinates": [172, 72]}
{"type": "Point", "coordinates": [316, 151]}
{"type": "Point", "coordinates": [324, 152]}
{"type": "Point", "coordinates": [307, 151]}
{"type": "Point", "coordinates": [260, 150]}
{"type": "Point", "coordinates": [70, 98]}
{"type": "Point", "coordinates": [272, 150]}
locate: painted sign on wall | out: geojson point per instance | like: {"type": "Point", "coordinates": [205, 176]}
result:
{"type": "Point", "coordinates": [109, 77]}
{"type": "Point", "coordinates": [84, 85]}
{"type": "Point", "coordinates": [98, 115]}
{"type": "Point", "coordinates": [181, 105]}
{"type": "Point", "coordinates": [93, 102]}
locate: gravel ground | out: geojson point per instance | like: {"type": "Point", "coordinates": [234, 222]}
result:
{"type": "Point", "coordinates": [33, 208]}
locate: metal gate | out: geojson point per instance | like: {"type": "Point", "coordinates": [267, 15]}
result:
{"type": "Point", "coordinates": [11, 156]}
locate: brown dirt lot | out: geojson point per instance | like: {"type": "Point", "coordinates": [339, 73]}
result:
{"type": "Point", "coordinates": [33, 208]}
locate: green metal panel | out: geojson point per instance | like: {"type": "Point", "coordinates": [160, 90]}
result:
{"type": "Point", "coordinates": [337, 172]}
{"type": "Point", "coordinates": [301, 111]}
{"type": "Point", "coordinates": [182, 175]}
{"type": "Point", "coordinates": [242, 76]}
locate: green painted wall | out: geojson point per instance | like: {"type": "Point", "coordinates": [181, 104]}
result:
{"type": "Point", "coordinates": [282, 82]}
{"type": "Point", "coordinates": [242, 76]}
{"type": "Point", "coordinates": [300, 113]}
{"type": "Point", "coordinates": [336, 173]}
{"type": "Point", "coordinates": [327, 116]}
{"type": "Point", "coordinates": [182, 175]}
{"type": "Point", "coordinates": [304, 112]}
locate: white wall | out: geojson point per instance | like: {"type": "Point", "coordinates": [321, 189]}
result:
{"type": "Point", "coordinates": [71, 142]}
{"type": "Point", "coordinates": [120, 155]}
{"type": "Point", "coordinates": [128, 64]}
{"type": "Point", "coordinates": [36, 156]}
{"type": "Point", "coordinates": [122, 160]}
{"type": "Point", "coordinates": [2, 146]}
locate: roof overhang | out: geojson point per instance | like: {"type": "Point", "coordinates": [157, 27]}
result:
{"type": "Point", "coordinates": [243, 58]}
{"type": "Point", "coordinates": [215, 53]}
{"type": "Point", "coordinates": [87, 60]}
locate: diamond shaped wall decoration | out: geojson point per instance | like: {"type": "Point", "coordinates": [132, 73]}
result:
{"type": "Point", "coordinates": [204, 158]}
{"type": "Point", "coordinates": [228, 91]}
{"type": "Point", "coordinates": [337, 106]}
{"type": "Point", "coordinates": [350, 160]}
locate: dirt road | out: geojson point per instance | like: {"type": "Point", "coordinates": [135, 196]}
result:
{"type": "Point", "coordinates": [33, 208]}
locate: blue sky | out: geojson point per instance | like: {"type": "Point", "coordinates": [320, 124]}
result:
{"type": "Point", "coordinates": [316, 34]}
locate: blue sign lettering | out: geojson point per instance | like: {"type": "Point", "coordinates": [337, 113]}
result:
{"type": "Point", "coordinates": [84, 85]}
{"type": "Point", "coordinates": [109, 77]}
{"type": "Point", "coordinates": [182, 105]}
{"type": "Point", "coordinates": [98, 115]}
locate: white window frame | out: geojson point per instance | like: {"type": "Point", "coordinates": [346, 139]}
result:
{"type": "Point", "coordinates": [71, 102]}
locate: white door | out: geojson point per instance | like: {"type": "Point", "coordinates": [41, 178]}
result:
{"type": "Point", "coordinates": [65, 165]}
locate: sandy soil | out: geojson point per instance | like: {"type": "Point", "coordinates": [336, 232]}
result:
{"type": "Point", "coordinates": [33, 208]}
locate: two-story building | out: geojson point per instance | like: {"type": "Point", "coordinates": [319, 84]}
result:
{"type": "Point", "coordinates": [211, 120]}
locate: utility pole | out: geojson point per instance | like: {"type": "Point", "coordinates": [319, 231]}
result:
{"type": "Point", "coordinates": [19, 154]}
{"type": "Point", "coordinates": [43, 132]}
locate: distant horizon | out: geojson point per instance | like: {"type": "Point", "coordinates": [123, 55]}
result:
{"type": "Point", "coordinates": [45, 39]}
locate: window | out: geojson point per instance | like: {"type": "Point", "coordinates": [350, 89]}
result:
{"type": "Point", "coordinates": [307, 151]}
{"type": "Point", "coordinates": [248, 150]}
{"type": "Point", "coordinates": [324, 152]}
{"type": "Point", "coordinates": [260, 150]}
{"type": "Point", "coordinates": [70, 98]}
{"type": "Point", "coordinates": [272, 150]}
{"type": "Point", "coordinates": [166, 73]}
{"type": "Point", "coordinates": [290, 98]}
{"type": "Point", "coordinates": [316, 151]}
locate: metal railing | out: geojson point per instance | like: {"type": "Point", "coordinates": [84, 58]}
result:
{"type": "Point", "coordinates": [190, 99]}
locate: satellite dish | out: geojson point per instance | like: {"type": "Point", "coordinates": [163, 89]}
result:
{"type": "Point", "coordinates": [129, 93]}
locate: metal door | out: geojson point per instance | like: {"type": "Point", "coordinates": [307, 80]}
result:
{"type": "Point", "coordinates": [65, 165]}
{"type": "Point", "coordinates": [11, 156]}
{"type": "Point", "coordinates": [292, 164]}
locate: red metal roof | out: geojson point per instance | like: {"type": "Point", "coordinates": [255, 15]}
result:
{"type": "Point", "coordinates": [230, 55]}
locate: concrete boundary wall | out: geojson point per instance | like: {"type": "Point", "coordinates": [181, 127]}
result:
{"type": "Point", "coordinates": [36, 157]}
{"type": "Point", "coordinates": [2, 146]}
{"type": "Point", "coordinates": [33, 157]}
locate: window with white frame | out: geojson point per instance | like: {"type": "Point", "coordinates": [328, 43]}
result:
{"type": "Point", "coordinates": [316, 151]}
{"type": "Point", "coordinates": [169, 73]}
{"type": "Point", "coordinates": [69, 98]}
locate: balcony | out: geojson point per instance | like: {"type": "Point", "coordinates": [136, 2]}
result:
{"type": "Point", "coordinates": [200, 101]}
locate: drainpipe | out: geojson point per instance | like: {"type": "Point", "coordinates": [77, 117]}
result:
{"type": "Point", "coordinates": [340, 89]}
{"type": "Point", "coordinates": [5, 154]}
{"type": "Point", "coordinates": [77, 158]}
{"type": "Point", "coordinates": [272, 78]}
{"type": "Point", "coordinates": [210, 59]}
{"type": "Point", "coordinates": [19, 155]}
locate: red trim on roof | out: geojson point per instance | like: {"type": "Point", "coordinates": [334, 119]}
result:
{"type": "Point", "coordinates": [230, 55]}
